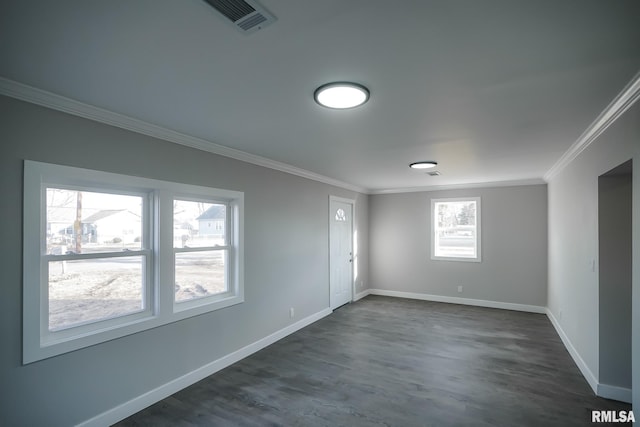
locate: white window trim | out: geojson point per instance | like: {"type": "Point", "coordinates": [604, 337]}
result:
{"type": "Point", "coordinates": [38, 342]}
{"type": "Point", "coordinates": [432, 229]}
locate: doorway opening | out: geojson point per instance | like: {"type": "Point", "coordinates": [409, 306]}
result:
{"type": "Point", "coordinates": [615, 265]}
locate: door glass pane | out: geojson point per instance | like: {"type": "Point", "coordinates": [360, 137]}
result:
{"type": "Point", "coordinates": [84, 291]}
{"type": "Point", "coordinates": [90, 222]}
{"type": "Point", "coordinates": [200, 274]}
{"type": "Point", "coordinates": [198, 224]}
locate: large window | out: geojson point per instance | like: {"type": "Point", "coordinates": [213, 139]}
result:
{"type": "Point", "coordinates": [455, 229]}
{"type": "Point", "coordinates": [108, 255]}
{"type": "Point", "coordinates": [97, 256]}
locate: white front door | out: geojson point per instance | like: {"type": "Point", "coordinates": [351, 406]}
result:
{"type": "Point", "coordinates": [340, 251]}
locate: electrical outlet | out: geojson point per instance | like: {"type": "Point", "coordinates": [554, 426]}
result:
{"type": "Point", "coordinates": [459, 288]}
{"type": "Point", "coordinates": [291, 312]}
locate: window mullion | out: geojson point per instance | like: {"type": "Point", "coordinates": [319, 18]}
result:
{"type": "Point", "coordinates": [164, 266]}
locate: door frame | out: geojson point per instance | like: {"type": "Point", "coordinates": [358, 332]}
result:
{"type": "Point", "coordinates": [351, 202]}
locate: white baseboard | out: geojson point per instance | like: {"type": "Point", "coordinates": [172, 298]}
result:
{"type": "Point", "coordinates": [137, 404]}
{"type": "Point", "coordinates": [586, 372]}
{"type": "Point", "coordinates": [603, 390]}
{"type": "Point", "coordinates": [458, 300]}
{"type": "Point", "coordinates": [613, 392]}
{"type": "Point", "coordinates": [361, 295]}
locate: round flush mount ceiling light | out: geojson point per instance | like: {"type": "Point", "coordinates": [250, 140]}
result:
{"type": "Point", "coordinates": [423, 165]}
{"type": "Point", "coordinates": [341, 95]}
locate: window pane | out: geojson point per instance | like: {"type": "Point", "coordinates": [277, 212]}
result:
{"type": "Point", "coordinates": [89, 222]}
{"type": "Point", "coordinates": [340, 215]}
{"type": "Point", "coordinates": [200, 274]}
{"type": "Point", "coordinates": [91, 290]}
{"type": "Point", "coordinates": [455, 233]}
{"type": "Point", "coordinates": [198, 224]}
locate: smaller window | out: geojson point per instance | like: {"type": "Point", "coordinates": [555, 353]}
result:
{"type": "Point", "coordinates": [455, 231]}
{"type": "Point", "coordinates": [201, 249]}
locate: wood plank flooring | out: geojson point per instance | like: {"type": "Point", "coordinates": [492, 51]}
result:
{"type": "Point", "coordinates": [395, 362]}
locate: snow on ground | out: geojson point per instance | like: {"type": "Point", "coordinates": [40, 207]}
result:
{"type": "Point", "coordinates": [91, 290]}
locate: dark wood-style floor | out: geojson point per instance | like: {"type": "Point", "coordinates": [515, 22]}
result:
{"type": "Point", "coordinates": [396, 362]}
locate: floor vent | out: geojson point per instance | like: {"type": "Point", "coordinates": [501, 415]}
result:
{"type": "Point", "coordinates": [246, 15]}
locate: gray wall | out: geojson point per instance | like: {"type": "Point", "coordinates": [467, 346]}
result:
{"type": "Point", "coordinates": [614, 223]}
{"type": "Point", "coordinates": [573, 242]}
{"type": "Point", "coordinates": [514, 246]}
{"type": "Point", "coordinates": [286, 265]}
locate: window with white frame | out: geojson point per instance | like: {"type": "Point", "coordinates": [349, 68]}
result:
{"type": "Point", "coordinates": [107, 255]}
{"type": "Point", "coordinates": [201, 249]}
{"type": "Point", "coordinates": [455, 229]}
{"type": "Point", "coordinates": [97, 255]}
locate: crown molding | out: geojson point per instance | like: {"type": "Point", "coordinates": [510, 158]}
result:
{"type": "Point", "coordinates": [57, 102]}
{"type": "Point", "coordinates": [629, 95]}
{"type": "Point", "coordinates": [513, 183]}
{"type": "Point", "coordinates": [621, 103]}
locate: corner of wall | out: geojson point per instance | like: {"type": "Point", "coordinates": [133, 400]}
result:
{"type": "Point", "coordinates": [586, 372]}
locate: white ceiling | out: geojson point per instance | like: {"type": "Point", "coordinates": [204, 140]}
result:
{"type": "Point", "coordinates": [492, 90]}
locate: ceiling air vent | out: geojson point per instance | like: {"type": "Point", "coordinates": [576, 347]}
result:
{"type": "Point", "coordinates": [246, 15]}
{"type": "Point", "coordinates": [433, 173]}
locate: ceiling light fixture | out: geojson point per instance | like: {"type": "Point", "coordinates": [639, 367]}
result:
{"type": "Point", "coordinates": [423, 165]}
{"type": "Point", "coordinates": [341, 95]}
